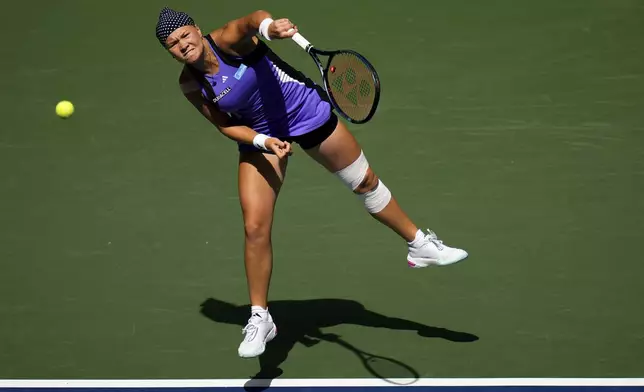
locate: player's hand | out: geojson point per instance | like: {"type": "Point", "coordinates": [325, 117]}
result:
{"type": "Point", "coordinates": [281, 28]}
{"type": "Point", "coordinates": [280, 148]}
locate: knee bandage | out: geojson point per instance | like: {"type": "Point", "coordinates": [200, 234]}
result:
{"type": "Point", "coordinates": [376, 199]}
{"type": "Point", "coordinates": [353, 175]}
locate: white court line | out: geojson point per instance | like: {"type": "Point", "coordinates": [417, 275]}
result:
{"type": "Point", "coordinates": [325, 382]}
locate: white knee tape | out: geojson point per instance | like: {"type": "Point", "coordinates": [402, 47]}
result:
{"type": "Point", "coordinates": [377, 199]}
{"type": "Point", "coordinates": [353, 174]}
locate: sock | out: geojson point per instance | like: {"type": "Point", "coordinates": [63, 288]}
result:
{"type": "Point", "coordinates": [258, 310]}
{"type": "Point", "coordinates": [420, 238]}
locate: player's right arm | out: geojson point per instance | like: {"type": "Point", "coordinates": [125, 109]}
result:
{"type": "Point", "coordinates": [222, 121]}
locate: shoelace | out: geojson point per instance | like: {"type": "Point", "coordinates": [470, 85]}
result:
{"type": "Point", "coordinates": [432, 237]}
{"type": "Point", "coordinates": [250, 330]}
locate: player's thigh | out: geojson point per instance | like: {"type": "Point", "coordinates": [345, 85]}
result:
{"type": "Point", "coordinates": [260, 179]}
{"type": "Point", "coordinates": [338, 151]}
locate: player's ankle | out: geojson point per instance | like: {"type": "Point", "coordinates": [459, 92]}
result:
{"type": "Point", "coordinates": [418, 240]}
{"type": "Point", "coordinates": [260, 310]}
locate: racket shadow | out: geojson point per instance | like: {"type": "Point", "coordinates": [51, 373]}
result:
{"type": "Point", "coordinates": [301, 321]}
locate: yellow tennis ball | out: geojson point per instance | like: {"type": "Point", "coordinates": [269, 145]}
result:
{"type": "Point", "coordinates": [64, 109]}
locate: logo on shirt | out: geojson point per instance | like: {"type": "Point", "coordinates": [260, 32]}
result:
{"type": "Point", "coordinates": [221, 95]}
{"type": "Point", "coordinates": [240, 71]}
{"type": "Point", "coordinates": [224, 78]}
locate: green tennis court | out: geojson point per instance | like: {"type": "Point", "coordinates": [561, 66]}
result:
{"type": "Point", "coordinates": [514, 129]}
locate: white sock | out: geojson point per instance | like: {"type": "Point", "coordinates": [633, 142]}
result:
{"type": "Point", "coordinates": [420, 238]}
{"type": "Point", "coordinates": [263, 313]}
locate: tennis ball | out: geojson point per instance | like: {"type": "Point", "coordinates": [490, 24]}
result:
{"type": "Point", "coordinates": [64, 109]}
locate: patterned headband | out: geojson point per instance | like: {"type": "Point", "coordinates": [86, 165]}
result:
{"type": "Point", "coordinates": [169, 21]}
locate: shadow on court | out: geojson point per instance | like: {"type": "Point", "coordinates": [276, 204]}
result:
{"type": "Point", "coordinates": [301, 322]}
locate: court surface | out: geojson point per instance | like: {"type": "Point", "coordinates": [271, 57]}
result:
{"type": "Point", "coordinates": [513, 129]}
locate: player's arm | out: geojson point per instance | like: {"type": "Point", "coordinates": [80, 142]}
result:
{"type": "Point", "coordinates": [224, 123]}
{"type": "Point", "coordinates": [239, 133]}
{"type": "Point", "coordinates": [239, 36]}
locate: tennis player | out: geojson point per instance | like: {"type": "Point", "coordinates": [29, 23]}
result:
{"type": "Point", "coordinates": [256, 99]}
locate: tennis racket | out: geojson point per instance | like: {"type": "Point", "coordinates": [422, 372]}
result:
{"type": "Point", "coordinates": [387, 369]}
{"type": "Point", "coordinates": [350, 81]}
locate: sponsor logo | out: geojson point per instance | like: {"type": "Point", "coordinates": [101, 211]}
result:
{"type": "Point", "coordinates": [221, 95]}
{"type": "Point", "coordinates": [240, 71]}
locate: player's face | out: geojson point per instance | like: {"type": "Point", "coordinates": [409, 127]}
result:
{"type": "Point", "coordinates": [185, 44]}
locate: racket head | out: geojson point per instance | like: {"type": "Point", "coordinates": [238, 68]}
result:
{"type": "Point", "coordinates": [390, 370]}
{"type": "Point", "coordinates": [352, 84]}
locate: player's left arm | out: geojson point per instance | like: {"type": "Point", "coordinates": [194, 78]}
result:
{"type": "Point", "coordinates": [239, 36]}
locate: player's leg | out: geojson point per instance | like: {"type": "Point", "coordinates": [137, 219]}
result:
{"type": "Point", "coordinates": [260, 179]}
{"type": "Point", "coordinates": [341, 154]}
{"type": "Point", "coordinates": [335, 148]}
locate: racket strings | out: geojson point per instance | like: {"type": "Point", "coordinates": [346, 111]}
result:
{"type": "Point", "coordinates": [351, 85]}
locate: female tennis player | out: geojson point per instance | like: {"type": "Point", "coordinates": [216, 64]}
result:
{"type": "Point", "coordinates": [256, 99]}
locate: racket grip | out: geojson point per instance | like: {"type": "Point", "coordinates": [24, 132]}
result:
{"type": "Point", "coordinates": [304, 44]}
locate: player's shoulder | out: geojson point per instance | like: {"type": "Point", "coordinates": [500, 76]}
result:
{"type": "Point", "coordinates": [228, 41]}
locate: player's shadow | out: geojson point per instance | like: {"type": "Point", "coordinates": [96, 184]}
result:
{"type": "Point", "coordinates": [300, 321]}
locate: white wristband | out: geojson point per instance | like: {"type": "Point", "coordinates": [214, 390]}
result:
{"type": "Point", "coordinates": [263, 27]}
{"type": "Point", "coordinates": [259, 141]}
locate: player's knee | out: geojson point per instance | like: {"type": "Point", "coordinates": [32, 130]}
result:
{"type": "Point", "coordinates": [257, 232]}
{"type": "Point", "coordinates": [362, 180]}
{"type": "Point", "coordinates": [369, 182]}
{"type": "Point", "coordinates": [376, 198]}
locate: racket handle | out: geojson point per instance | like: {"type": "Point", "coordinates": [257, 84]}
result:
{"type": "Point", "coordinates": [303, 42]}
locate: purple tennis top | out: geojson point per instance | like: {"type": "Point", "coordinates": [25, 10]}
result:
{"type": "Point", "coordinates": [264, 93]}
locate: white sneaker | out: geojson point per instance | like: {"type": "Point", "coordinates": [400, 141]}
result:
{"type": "Point", "coordinates": [432, 252]}
{"type": "Point", "coordinates": [259, 331]}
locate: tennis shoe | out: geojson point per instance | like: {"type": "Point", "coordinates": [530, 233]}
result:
{"type": "Point", "coordinates": [433, 252]}
{"type": "Point", "coordinates": [259, 331]}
